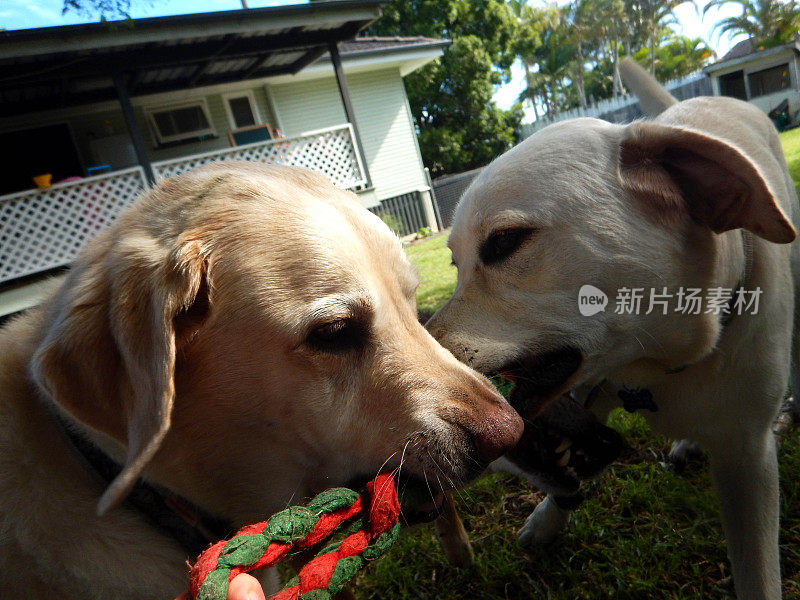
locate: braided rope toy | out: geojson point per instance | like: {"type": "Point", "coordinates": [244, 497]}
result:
{"type": "Point", "coordinates": [373, 527]}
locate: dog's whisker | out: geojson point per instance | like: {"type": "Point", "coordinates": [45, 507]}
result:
{"type": "Point", "coordinates": [640, 341]}
{"type": "Point", "coordinates": [438, 466]}
{"type": "Point", "coordinates": [385, 463]}
{"type": "Point", "coordinates": [430, 491]}
{"type": "Point", "coordinates": [652, 337]}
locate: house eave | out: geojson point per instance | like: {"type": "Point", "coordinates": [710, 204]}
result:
{"type": "Point", "coordinates": [766, 53]}
{"type": "Point", "coordinates": [406, 60]}
{"type": "Point", "coordinates": [437, 45]}
{"type": "Point", "coordinates": [57, 67]}
{"type": "Point", "coordinates": [94, 36]}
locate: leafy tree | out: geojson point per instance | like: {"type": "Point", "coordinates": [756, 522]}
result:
{"type": "Point", "coordinates": [583, 25]}
{"type": "Point", "coordinates": [767, 22]}
{"type": "Point", "coordinates": [677, 57]}
{"type": "Point", "coordinates": [554, 58]}
{"type": "Point", "coordinates": [653, 17]}
{"type": "Point", "coordinates": [581, 44]}
{"type": "Point", "coordinates": [531, 24]}
{"type": "Point", "coordinates": [459, 125]}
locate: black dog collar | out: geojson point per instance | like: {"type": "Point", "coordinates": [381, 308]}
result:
{"type": "Point", "coordinates": [189, 525]}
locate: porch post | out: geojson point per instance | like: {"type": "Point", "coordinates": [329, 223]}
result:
{"type": "Point", "coordinates": [333, 48]}
{"type": "Point", "coordinates": [133, 128]}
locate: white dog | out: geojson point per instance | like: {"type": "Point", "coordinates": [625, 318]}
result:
{"type": "Point", "coordinates": [697, 199]}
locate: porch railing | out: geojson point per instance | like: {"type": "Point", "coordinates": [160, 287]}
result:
{"type": "Point", "coordinates": [330, 151]}
{"type": "Point", "coordinates": [45, 229]}
{"type": "Point", "coordinates": [403, 214]}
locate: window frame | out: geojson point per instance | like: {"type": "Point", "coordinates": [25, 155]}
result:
{"type": "Point", "coordinates": [752, 75]}
{"type": "Point", "coordinates": [151, 111]}
{"type": "Point", "coordinates": [253, 107]}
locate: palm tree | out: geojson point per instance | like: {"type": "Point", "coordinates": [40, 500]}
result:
{"type": "Point", "coordinates": [521, 12]}
{"type": "Point", "coordinates": [544, 56]}
{"type": "Point", "coordinates": [615, 29]}
{"type": "Point", "coordinates": [766, 22]}
{"type": "Point", "coordinates": [677, 57]}
{"type": "Point", "coordinates": [655, 15]}
{"type": "Point", "coordinates": [584, 24]}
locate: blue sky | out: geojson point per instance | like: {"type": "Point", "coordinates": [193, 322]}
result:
{"type": "Point", "coordinates": [24, 14]}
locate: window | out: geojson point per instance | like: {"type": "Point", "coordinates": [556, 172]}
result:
{"type": "Point", "coordinates": [241, 109]}
{"type": "Point", "coordinates": [175, 123]}
{"type": "Point", "coordinates": [732, 84]}
{"type": "Point", "coordinates": [768, 81]}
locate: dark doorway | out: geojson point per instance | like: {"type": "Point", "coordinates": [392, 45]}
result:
{"type": "Point", "coordinates": [732, 85]}
{"type": "Point", "coordinates": [30, 152]}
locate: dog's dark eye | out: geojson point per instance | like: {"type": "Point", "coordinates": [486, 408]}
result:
{"type": "Point", "coordinates": [338, 335]}
{"type": "Point", "coordinates": [503, 243]}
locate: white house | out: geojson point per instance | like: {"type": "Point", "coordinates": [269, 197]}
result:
{"type": "Point", "coordinates": [765, 77]}
{"type": "Point", "coordinates": [105, 111]}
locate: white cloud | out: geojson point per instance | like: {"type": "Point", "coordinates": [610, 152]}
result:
{"type": "Point", "coordinates": [26, 14]}
{"type": "Point", "coordinates": [44, 12]}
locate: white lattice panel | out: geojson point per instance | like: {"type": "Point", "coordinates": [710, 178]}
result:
{"type": "Point", "coordinates": [44, 229]}
{"type": "Point", "coordinates": [331, 152]}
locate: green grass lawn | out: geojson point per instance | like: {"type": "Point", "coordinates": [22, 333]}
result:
{"type": "Point", "coordinates": [644, 532]}
{"type": "Point", "coordinates": [791, 149]}
{"type": "Point", "coordinates": [437, 277]}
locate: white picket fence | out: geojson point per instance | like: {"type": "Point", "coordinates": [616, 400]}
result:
{"type": "Point", "coordinates": [45, 229]}
{"type": "Point", "coordinates": [604, 107]}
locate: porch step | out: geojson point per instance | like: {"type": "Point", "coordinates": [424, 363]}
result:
{"type": "Point", "coordinates": [28, 294]}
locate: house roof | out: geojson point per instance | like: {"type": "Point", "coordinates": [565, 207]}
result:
{"type": "Point", "coordinates": [743, 48]}
{"type": "Point", "coordinates": [53, 67]}
{"type": "Point", "coordinates": [745, 51]}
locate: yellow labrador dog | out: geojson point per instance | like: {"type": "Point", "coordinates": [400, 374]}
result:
{"type": "Point", "coordinates": [243, 337]}
{"type": "Point", "coordinates": [699, 198]}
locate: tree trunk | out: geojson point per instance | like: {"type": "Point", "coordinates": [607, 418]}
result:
{"type": "Point", "coordinates": [618, 88]}
{"type": "Point", "coordinates": [545, 98]}
{"type": "Point", "coordinates": [653, 51]}
{"type": "Point", "coordinates": [579, 81]}
{"type": "Point", "coordinates": [532, 97]}
{"type": "Point", "coordinates": [553, 99]}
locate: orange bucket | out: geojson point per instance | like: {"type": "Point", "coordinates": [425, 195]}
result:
{"type": "Point", "coordinates": [43, 181]}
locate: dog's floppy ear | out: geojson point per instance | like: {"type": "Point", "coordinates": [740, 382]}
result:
{"type": "Point", "coordinates": [109, 350]}
{"type": "Point", "coordinates": [674, 170]}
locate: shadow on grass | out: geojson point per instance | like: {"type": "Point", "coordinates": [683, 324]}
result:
{"type": "Point", "coordinates": [644, 532]}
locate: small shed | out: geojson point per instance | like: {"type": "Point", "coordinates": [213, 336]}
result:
{"type": "Point", "coordinates": [766, 77]}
